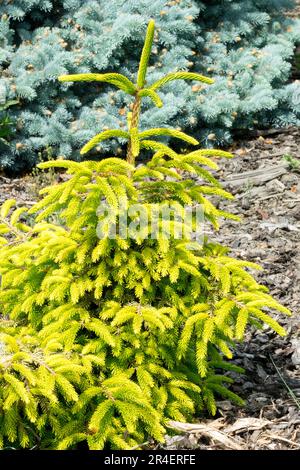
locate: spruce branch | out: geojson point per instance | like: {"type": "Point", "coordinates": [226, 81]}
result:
{"type": "Point", "coordinates": [103, 136]}
{"type": "Point", "coordinates": [119, 80]}
{"type": "Point", "coordinates": [147, 92]}
{"type": "Point", "coordinates": [144, 61]}
{"type": "Point", "coordinates": [170, 132]}
{"type": "Point", "coordinates": [180, 76]}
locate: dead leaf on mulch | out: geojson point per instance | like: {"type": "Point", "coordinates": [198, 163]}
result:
{"type": "Point", "coordinates": [247, 424]}
{"type": "Point", "coordinates": [208, 430]}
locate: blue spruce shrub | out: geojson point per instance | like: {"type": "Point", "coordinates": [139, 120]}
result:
{"type": "Point", "coordinates": [249, 45]}
{"type": "Point", "coordinates": [246, 45]}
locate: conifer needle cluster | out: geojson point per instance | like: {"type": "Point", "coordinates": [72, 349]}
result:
{"type": "Point", "coordinates": [104, 340]}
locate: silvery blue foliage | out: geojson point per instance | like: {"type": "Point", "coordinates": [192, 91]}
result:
{"type": "Point", "coordinates": [247, 46]}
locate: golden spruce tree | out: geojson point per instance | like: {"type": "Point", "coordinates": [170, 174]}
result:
{"type": "Point", "coordinates": [106, 336]}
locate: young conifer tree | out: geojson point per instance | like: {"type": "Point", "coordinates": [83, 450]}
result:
{"type": "Point", "coordinates": [105, 337]}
